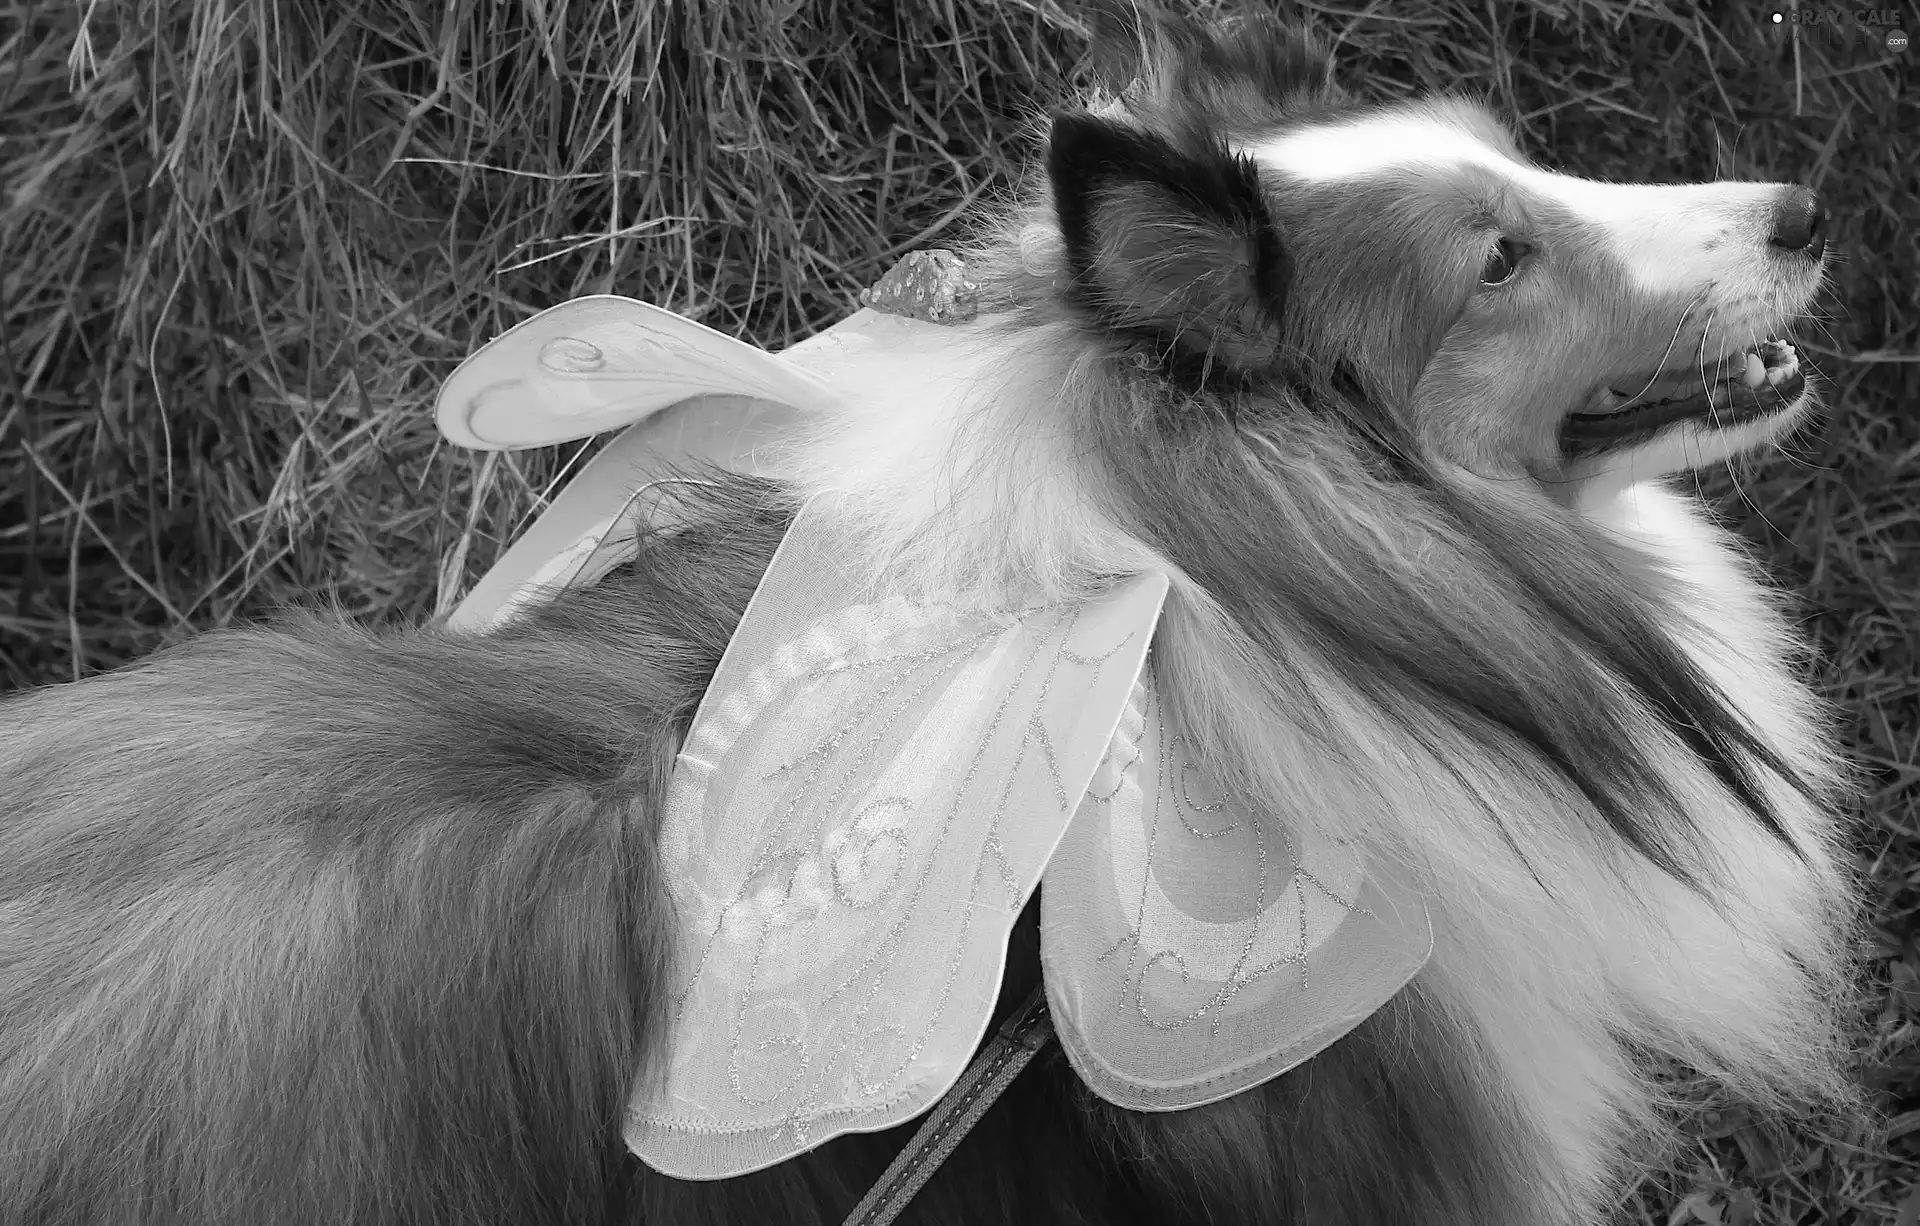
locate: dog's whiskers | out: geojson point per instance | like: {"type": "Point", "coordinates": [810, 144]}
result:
{"type": "Point", "coordinates": [1661, 367]}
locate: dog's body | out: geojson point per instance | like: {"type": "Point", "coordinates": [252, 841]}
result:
{"type": "Point", "coordinates": [319, 925]}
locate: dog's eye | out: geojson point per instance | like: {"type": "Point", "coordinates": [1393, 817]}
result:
{"type": "Point", "coordinates": [1503, 261]}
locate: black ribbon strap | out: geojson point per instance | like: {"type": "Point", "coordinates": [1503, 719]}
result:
{"type": "Point", "coordinates": [1020, 1038]}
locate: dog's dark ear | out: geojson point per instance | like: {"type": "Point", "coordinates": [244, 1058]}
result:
{"type": "Point", "coordinates": [1170, 246]}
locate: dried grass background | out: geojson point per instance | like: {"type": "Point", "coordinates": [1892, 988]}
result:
{"type": "Point", "coordinates": [241, 242]}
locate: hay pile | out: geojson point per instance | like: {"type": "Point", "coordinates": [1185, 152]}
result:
{"type": "Point", "coordinates": [241, 243]}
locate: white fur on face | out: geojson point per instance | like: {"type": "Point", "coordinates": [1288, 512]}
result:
{"type": "Point", "coordinates": [1699, 238]}
{"type": "Point", "coordinates": [1698, 251]}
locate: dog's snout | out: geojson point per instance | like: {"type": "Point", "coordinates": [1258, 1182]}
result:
{"type": "Point", "coordinates": [1799, 222]}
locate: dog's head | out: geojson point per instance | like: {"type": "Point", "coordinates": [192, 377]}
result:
{"type": "Point", "coordinates": [1233, 222]}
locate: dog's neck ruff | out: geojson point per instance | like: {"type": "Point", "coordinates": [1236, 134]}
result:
{"type": "Point", "coordinates": [872, 789]}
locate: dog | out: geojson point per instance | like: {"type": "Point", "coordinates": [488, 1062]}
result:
{"type": "Point", "coordinates": [316, 923]}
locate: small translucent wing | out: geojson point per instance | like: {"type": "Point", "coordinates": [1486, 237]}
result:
{"type": "Point", "coordinates": [1194, 949]}
{"type": "Point", "coordinates": [867, 797]}
{"type": "Point", "coordinates": [688, 396]}
{"type": "Point", "coordinates": [600, 363]}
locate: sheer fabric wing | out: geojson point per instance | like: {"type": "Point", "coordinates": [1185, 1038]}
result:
{"type": "Point", "coordinates": [687, 395]}
{"type": "Point", "coordinates": [867, 796]}
{"type": "Point", "coordinates": [1194, 949]}
{"type": "Point", "coordinates": [599, 363]}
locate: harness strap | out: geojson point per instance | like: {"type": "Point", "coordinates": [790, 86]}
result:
{"type": "Point", "coordinates": [1020, 1038]}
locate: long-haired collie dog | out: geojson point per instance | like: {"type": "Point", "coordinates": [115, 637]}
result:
{"type": "Point", "coordinates": [322, 924]}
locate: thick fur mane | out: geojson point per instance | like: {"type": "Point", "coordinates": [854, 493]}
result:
{"type": "Point", "coordinates": [1480, 681]}
{"type": "Point", "coordinates": [1272, 423]}
{"type": "Point", "coordinates": [1518, 694]}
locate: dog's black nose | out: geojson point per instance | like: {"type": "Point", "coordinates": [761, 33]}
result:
{"type": "Point", "coordinates": [1800, 222]}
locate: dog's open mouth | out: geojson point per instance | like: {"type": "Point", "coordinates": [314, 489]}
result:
{"type": "Point", "coordinates": [1752, 383]}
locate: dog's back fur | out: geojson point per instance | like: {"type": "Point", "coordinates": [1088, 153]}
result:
{"type": "Point", "coordinates": [314, 924]}
{"type": "Point", "coordinates": [322, 925]}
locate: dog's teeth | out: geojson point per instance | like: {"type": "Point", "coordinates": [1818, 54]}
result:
{"type": "Point", "coordinates": [1756, 372]}
{"type": "Point", "coordinates": [1605, 402]}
